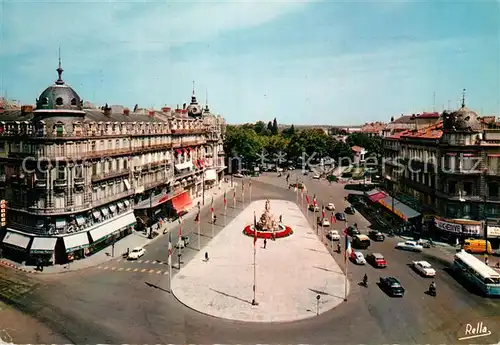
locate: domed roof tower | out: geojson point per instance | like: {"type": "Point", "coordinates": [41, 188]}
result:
{"type": "Point", "coordinates": [194, 109]}
{"type": "Point", "coordinates": [59, 97]}
{"type": "Point", "coordinates": [461, 120]}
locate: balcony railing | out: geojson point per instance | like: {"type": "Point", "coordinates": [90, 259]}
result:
{"type": "Point", "coordinates": [149, 148]}
{"type": "Point", "coordinates": [79, 181]}
{"type": "Point", "coordinates": [71, 209]}
{"type": "Point", "coordinates": [189, 131]}
{"type": "Point", "coordinates": [164, 179]}
{"type": "Point", "coordinates": [110, 175]}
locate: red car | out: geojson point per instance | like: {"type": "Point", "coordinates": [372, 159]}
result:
{"type": "Point", "coordinates": [377, 260]}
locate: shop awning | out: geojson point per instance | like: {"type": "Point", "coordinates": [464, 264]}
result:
{"type": "Point", "coordinates": [43, 245]}
{"type": "Point", "coordinates": [181, 202]}
{"type": "Point", "coordinates": [185, 165]}
{"type": "Point", "coordinates": [76, 241]}
{"type": "Point", "coordinates": [112, 208]}
{"type": "Point", "coordinates": [109, 228]}
{"type": "Point", "coordinates": [105, 211]}
{"type": "Point", "coordinates": [127, 203]}
{"type": "Point", "coordinates": [60, 223]}
{"type": "Point", "coordinates": [179, 152]}
{"type": "Point", "coordinates": [16, 240]}
{"type": "Point", "coordinates": [185, 150]}
{"type": "Point", "coordinates": [120, 205]}
{"type": "Point", "coordinates": [96, 214]}
{"type": "Point", "coordinates": [196, 165]}
{"type": "Point", "coordinates": [377, 196]}
{"type": "Point", "coordinates": [200, 162]}
{"type": "Point", "coordinates": [210, 175]}
{"type": "Point", "coordinates": [80, 220]}
{"type": "Point", "coordinates": [403, 211]}
{"type": "Point", "coordinates": [127, 184]}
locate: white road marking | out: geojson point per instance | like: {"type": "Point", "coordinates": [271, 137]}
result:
{"type": "Point", "coordinates": [113, 268]}
{"type": "Point", "coordinates": [139, 261]}
{"type": "Point", "coordinates": [166, 272]}
{"type": "Point", "coordinates": [120, 269]}
{"type": "Point", "coordinates": [146, 261]}
{"type": "Point", "coordinates": [136, 269]}
{"type": "Point", "coordinates": [158, 272]}
{"type": "Point", "coordinates": [151, 271]}
{"type": "Point", "coordinates": [143, 270]}
{"type": "Point", "coordinates": [100, 267]}
{"type": "Point", "coordinates": [128, 269]}
{"type": "Point", "coordinates": [105, 268]}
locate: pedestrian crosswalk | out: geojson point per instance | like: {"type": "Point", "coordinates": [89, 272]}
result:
{"type": "Point", "coordinates": [150, 262]}
{"type": "Point", "coordinates": [13, 288]}
{"type": "Point", "coordinates": [133, 270]}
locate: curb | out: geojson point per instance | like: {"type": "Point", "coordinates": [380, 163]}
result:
{"type": "Point", "coordinates": [19, 268]}
{"type": "Point", "coordinates": [16, 267]}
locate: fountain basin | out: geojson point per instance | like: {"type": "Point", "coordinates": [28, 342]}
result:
{"type": "Point", "coordinates": [284, 231]}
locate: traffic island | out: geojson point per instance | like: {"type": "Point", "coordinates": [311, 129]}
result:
{"type": "Point", "coordinates": [288, 276]}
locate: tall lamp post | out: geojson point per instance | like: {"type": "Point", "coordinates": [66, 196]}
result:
{"type": "Point", "coordinates": [485, 214]}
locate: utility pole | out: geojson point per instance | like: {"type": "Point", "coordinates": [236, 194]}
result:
{"type": "Point", "coordinates": [203, 186]}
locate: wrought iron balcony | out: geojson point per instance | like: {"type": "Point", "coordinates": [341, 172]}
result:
{"type": "Point", "coordinates": [79, 181]}
{"type": "Point", "coordinates": [110, 175]}
{"type": "Point", "coordinates": [60, 183]}
{"type": "Point", "coordinates": [41, 183]}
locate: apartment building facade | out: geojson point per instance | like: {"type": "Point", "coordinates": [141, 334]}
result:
{"type": "Point", "coordinates": [449, 171]}
{"type": "Point", "coordinates": [77, 179]}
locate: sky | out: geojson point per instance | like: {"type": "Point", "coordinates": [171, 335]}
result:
{"type": "Point", "coordinates": [330, 63]}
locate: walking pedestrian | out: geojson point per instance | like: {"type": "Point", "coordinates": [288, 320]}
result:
{"type": "Point", "coordinates": [206, 256]}
{"type": "Point", "coordinates": [281, 218]}
{"type": "Point", "coordinates": [265, 243]}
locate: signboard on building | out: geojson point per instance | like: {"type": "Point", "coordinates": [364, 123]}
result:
{"type": "Point", "coordinates": [470, 229]}
{"type": "Point", "coordinates": [447, 226]}
{"type": "Point", "coordinates": [493, 231]}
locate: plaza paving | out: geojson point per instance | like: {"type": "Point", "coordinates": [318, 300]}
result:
{"type": "Point", "coordinates": [290, 273]}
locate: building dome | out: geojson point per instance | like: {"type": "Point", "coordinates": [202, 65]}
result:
{"type": "Point", "coordinates": [461, 120]}
{"type": "Point", "coordinates": [59, 96]}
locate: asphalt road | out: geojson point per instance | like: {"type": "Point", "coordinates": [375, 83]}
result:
{"type": "Point", "coordinates": [129, 302]}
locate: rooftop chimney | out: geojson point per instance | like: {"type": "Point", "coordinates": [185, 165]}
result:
{"type": "Point", "coordinates": [184, 111]}
{"type": "Point", "coordinates": [166, 109]}
{"type": "Point", "coordinates": [151, 113]}
{"type": "Point", "coordinates": [126, 111]}
{"type": "Point", "coordinates": [184, 106]}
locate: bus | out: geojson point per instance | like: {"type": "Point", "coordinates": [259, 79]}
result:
{"type": "Point", "coordinates": [477, 273]}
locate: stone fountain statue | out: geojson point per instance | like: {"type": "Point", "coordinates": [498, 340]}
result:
{"type": "Point", "coordinates": [267, 221]}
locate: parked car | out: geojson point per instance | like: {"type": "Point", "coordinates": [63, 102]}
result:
{"type": "Point", "coordinates": [392, 286]}
{"type": "Point", "coordinates": [323, 221]}
{"type": "Point", "coordinates": [330, 206]}
{"type": "Point", "coordinates": [424, 268]}
{"type": "Point", "coordinates": [350, 210]}
{"type": "Point", "coordinates": [238, 175]}
{"type": "Point", "coordinates": [411, 246]}
{"type": "Point", "coordinates": [183, 242]}
{"type": "Point", "coordinates": [340, 216]}
{"type": "Point", "coordinates": [353, 231]}
{"type": "Point", "coordinates": [358, 258]}
{"type": "Point", "coordinates": [136, 253]}
{"type": "Point", "coordinates": [278, 169]}
{"type": "Point", "coordinates": [316, 177]}
{"type": "Point", "coordinates": [377, 260]}
{"type": "Point", "coordinates": [313, 208]}
{"type": "Point", "coordinates": [333, 235]}
{"type": "Point", "coordinates": [376, 235]}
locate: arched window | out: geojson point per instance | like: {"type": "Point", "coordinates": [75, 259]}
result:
{"type": "Point", "coordinates": [73, 102]}
{"type": "Point", "coordinates": [59, 101]}
{"type": "Point", "coordinates": [45, 101]}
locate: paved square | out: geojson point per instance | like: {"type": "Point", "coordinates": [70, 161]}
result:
{"type": "Point", "coordinates": [291, 272]}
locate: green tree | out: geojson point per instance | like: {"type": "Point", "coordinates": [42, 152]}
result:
{"type": "Point", "coordinates": [260, 128]}
{"type": "Point", "coordinates": [242, 143]}
{"type": "Point", "coordinates": [274, 129]}
{"type": "Point", "coordinates": [270, 127]}
{"type": "Point", "coordinates": [372, 144]}
{"type": "Point", "coordinates": [288, 132]}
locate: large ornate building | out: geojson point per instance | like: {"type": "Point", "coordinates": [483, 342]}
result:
{"type": "Point", "coordinates": [77, 179]}
{"type": "Point", "coordinates": [450, 172]}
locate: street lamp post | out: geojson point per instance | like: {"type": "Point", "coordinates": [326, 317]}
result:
{"type": "Point", "coordinates": [318, 297]}
{"type": "Point", "coordinates": [485, 214]}
{"type": "Point", "coordinates": [179, 257]}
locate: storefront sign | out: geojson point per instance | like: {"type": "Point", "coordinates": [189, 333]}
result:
{"type": "Point", "coordinates": [446, 226]}
{"type": "Point", "coordinates": [493, 231]}
{"type": "Point", "coordinates": [472, 229]}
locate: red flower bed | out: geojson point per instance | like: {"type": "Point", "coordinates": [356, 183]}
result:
{"type": "Point", "coordinates": [249, 231]}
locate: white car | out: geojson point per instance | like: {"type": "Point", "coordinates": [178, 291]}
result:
{"type": "Point", "coordinates": [324, 222]}
{"type": "Point", "coordinates": [313, 208]}
{"type": "Point", "coordinates": [424, 268]}
{"type": "Point", "coordinates": [358, 258]}
{"type": "Point", "coordinates": [316, 177]}
{"type": "Point", "coordinates": [330, 206]}
{"type": "Point", "coordinates": [238, 175]}
{"type": "Point", "coordinates": [410, 246]}
{"type": "Point", "coordinates": [136, 253]}
{"type": "Point", "coordinates": [333, 235]}
{"type": "Point", "coordinates": [279, 169]}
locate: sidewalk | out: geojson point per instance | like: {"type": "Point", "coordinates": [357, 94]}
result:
{"type": "Point", "coordinates": [136, 239]}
